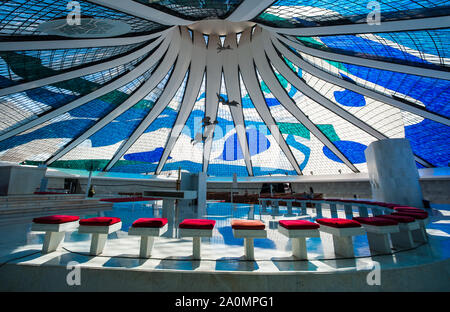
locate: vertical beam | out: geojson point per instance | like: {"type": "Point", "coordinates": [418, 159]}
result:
{"type": "Point", "coordinates": [169, 92]}
{"type": "Point", "coordinates": [299, 248]}
{"type": "Point", "coordinates": [231, 75]}
{"type": "Point", "coordinates": [193, 85]}
{"type": "Point", "coordinates": [252, 84]}
{"type": "Point", "coordinates": [249, 248]}
{"type": "Point", "coordinates": [213, 81]}
{"type": "Point", "coordinates": [196, 248]}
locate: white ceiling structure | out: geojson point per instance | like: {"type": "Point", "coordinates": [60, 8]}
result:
{"type": "Point", "coordinates": [246, 87]}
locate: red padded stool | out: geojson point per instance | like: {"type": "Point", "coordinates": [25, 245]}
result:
{"type": "Point", "coordinates": [406, 224]}
{"type": "Point", "coordinates": [342, 231]}
{"type": "Point", "coordinates": [297, 231]}
{"type": "Point", "coordinates": [196, 228]}
{"type": "Point", "coordinates": [378, 233]}
{"type": "Point", "coordinates": [148, 229]}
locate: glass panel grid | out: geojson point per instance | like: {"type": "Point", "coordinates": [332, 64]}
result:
{"type": "Point", "coordinates": [427, 52]}
{"type": "Point", "coordinates": [266, 155]}
{"type": "Point", "coordinates": [143, 156]}
{"type": "Point", "coordinates": [433, 94]}
{"type": "Point", "coordinates": [187, 152]}
{"type": "Point", "coordinates": [22, 17]}
{"type": "Point", "coordinates": [311, 13]}
{"type": "Point", "coordinates": [24, 106]}
{"type": "Point", "coordinates": [224, 159]}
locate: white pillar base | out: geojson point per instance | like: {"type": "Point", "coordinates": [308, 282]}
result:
{"type": "Point", "coordinates": [146, 246]}
{"type": "Point", "coordinates": [379, 243]}
{"type": "Point", "coordinates": [393, 172]}
{"type": "Point", "coordinates": [196, 248]}
{"type": "Point", "coordinates": [249, 249]}
{"type": "Point", "coordinates": [420, 235]}
{"type": "Point", "coordinates": [348, 211]}
{"type": "Point", "coordinates": [52, 241]}
{"type": "Point", "coordinates": [402, 239]}
{"type": "Point", "coordinates": [97, 243]}
{"type": "Point", "coordinates": [343, 246]}
{"type": "Point", "coordinates": [303, 209]}
{"type": "Point", "coordinates": [377, 212]}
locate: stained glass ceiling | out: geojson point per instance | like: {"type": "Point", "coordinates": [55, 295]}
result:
{"type": "Point", "coordinates": [302, 88]}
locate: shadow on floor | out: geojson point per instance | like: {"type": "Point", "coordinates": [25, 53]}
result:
{"type": "Point", "coordinates": [178, 263]}
{"type": "Point", "coordinates": [236, 264]}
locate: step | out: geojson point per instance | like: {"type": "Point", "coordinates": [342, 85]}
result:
{"type": "Point", "coordinates": [48, 208]}
{"type": "Point", "coordinates": [27, 198]}
{"type": "Point", "coordinates": [42, 204]}
{"type": "Point", "coordinates": [34, 202]}
{"type": "Point", "coordinates": [27, 217]}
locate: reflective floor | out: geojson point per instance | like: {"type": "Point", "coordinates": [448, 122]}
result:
{"type": "Point", "coordinates": [222, 252]}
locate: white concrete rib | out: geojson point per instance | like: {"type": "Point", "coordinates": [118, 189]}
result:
{"type": "Point", "coordinates": [87, 70]}
{"type": "Point", "coordinates": [194, 82]}
{"type": "Point", "coordinates": [300, 85]}
{"type": "Point", "coordinates": [213, 80]}
{"type": "Point", "coordinates": [184, 51]}
{"type": "Point", "coordinates": [310, 92]}
{"type": "Point", "coordinates": [248, 72]}
{"type": "Point", "coordinates": [134, 98]}
{"type": "Point", "coordinates": [231, 76]}
{"type": "Point", "coordinates": [361, 28]}
{"type": "Point", "coordinates": [248, 10]}
{"type": "Point", "coordinates": [142, 11]}
{"type": "Point", "coordinates": [30, 45]}
{"type": "Point", "coordinates": [111, 86]}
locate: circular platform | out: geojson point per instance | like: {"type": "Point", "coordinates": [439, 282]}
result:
{"type": "Point", "coordinates": [222, 268]}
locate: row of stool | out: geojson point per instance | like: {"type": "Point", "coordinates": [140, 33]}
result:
{"type": "Point", "coordinates": [403, 228]}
